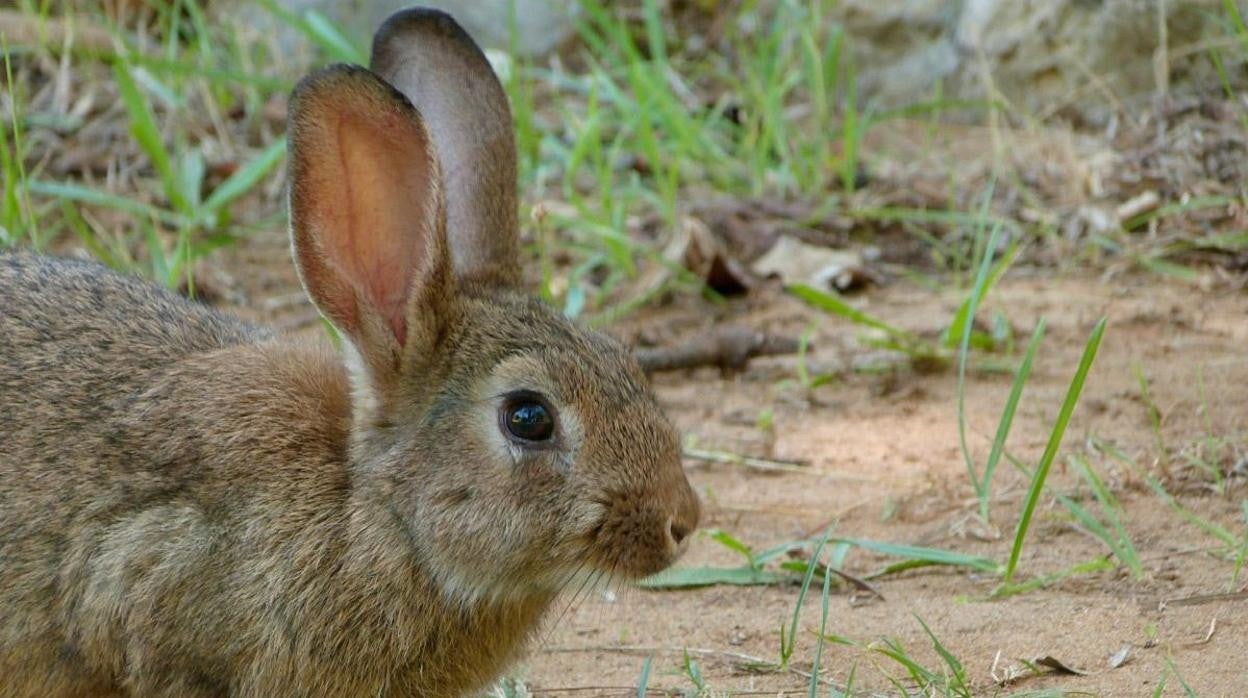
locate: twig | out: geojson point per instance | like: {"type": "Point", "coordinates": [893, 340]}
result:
{"type": "Point", "coordinates": [631, 691]}
{"type": "Point", "coordinates": [787, 466]}
{"type": "Point", "coordinates": [742, 658]}
{"type": "Point", "coordinates": [1201, 599]}
{"type": "Point", "coordinates": [1213, 626]}
{"type": "Point", "coordinates": [729, 348]}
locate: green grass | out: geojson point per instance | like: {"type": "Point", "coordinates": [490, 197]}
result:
{"type": "Point", "coordinates": [1041, 472]}
{"type": "Point", "coordinates": [623, 137]}
{"type": "Point", "coordinates": [1108, 527]}
{"type": "Point", "coordinates": [188, 89]}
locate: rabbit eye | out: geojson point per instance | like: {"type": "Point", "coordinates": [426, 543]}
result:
{"type": "Point", "coordinates": [526, 417]}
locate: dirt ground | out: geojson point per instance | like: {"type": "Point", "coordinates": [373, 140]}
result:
{"type": "Point", "coordinates": [883, 463]}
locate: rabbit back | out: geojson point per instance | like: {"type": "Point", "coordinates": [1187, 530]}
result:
{"type": "Point", "coordinates": [81, 349]}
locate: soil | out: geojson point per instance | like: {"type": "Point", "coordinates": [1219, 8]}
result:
{"type": "Point", "coordinates": [885, 464]}
{"type": "Point", "coordinates": [882, 462]}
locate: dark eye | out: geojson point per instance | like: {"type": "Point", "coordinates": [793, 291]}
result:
{"type": "Point", "coordinates": [528, 419]}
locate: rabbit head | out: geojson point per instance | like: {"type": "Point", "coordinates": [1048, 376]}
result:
{"type": "Point", "coordinates": [516, 451]}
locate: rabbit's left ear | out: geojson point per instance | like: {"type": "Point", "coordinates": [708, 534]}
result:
{"type": "Point", "coordinates": [428, 57]}
{"type": "Point", "coordinates": [367, 216]}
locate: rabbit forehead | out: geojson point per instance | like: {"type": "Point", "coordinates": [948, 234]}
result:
{"type": "Point", "coordinates": [524, 339]}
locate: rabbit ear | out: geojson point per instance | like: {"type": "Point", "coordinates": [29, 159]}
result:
{"type": "Point", "coordinates": [431, 60]}
{"type": "Point", "coordinates": [367, 215]}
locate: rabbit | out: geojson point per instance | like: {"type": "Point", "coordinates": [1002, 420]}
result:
{"type": "Point", "coordinates": [192, 505]}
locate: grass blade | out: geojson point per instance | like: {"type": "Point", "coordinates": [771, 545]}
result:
{"type": "Point", "coordinates": [934, 556]}
{"type": "Point", "coordinates": [94, 197]}
{"type": "Point", "coordinates": [788, 642]}
{"type": "Point", "coordinates": [643, 682]}
{"type": "Point", "coordinates": [143, 128]}
{"type": "Point", "coordinates": [836, 306]}
{"type": "Point", "coordinates": [1242, 556]}
{"type": "Point", "coordinates": [813, 688]}
{"type": "Point", "coordinates": [1055, 441]}
{"type": "Point", "coordinates": [965, 319]}
{"type": "Point", "coordinates": [1007, 416]}
{"type": "Point", "coordinates": [694, 577]}
{"type": "Point", "coordinates": [246, 177]}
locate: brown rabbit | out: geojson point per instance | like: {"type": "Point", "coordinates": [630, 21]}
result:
{"type": "Point", "coordinates": [194, 506]}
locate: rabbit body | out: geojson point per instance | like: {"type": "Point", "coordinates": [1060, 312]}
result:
{"type": "Point", "coordinates": [179, 517]}
{"type": "Point", "coordinates": [191, 505]}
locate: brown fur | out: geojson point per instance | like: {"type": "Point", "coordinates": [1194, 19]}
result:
{"type": "Point", "coordinates": [193, 506]}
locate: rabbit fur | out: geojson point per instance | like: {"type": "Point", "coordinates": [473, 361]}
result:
{"type": "Point", "coordinates": [191, 505]}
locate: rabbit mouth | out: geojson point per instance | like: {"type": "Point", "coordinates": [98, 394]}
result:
{"type": "Point", "coordinates": [630, 544]}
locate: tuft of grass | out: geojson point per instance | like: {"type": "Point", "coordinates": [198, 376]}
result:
{"type": "Point", "coordinates": [958, 336]}
{"type": "Point", "coordinates": [950, 679]}
{"type": "Point", "coordinates": [1114, 535]}
{"type": "Point", "coordinates": [191, 98]}
{"type": "Point", "coordinates": [1235, 547]}
{"type": "Point", "coordinates": [634, 135]}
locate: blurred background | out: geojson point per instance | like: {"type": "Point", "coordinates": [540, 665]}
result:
{"type": "Point", "coordinates": [638, 121]}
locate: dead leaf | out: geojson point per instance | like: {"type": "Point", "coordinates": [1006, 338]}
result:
{"type": "Point", "coordinates": [698, 250]}
{"type": "Point", "coordinates": [797, 262]}
{"type": "Point", "coordinates": [1057, 665]}
{"type": "Point", "coordinates": [1138, 205]}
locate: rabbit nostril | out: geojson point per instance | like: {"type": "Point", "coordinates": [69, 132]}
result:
{"type": "Point", "coordinates": [677, 531]}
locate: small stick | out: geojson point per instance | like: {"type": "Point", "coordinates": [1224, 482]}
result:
{"type": "Point", "coordinates": [1200, 599]}
{"type": "Point", "coordinates": [787, 466]}
{"type": "Point", "coordinates": [740, 657]}
{"type": "Point", "coordinates": [729, 348]}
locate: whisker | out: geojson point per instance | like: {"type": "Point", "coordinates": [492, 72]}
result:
{"type": "Point", "coordinates": [570, 601]}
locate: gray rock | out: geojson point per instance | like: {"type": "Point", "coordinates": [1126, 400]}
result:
{"type": "Point", "coordinates": [541, 25]}
{"type": "Point", "coordinates": [1088, 56]}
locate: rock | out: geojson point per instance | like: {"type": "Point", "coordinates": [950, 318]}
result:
{"type": "Point", "coordinates": [1086, 57]}
{"type": "Point", "coordinates": [900, 47]}
{"type": "Point", "coordinates": [541, 25]}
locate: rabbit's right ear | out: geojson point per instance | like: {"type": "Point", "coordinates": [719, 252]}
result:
{"type": "Point", "coordinates": [428, 57]}
{"type": "Point", "coordinates": [367, 215]}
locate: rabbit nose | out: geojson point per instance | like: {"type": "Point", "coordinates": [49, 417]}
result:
{"type": "Point", "coordinates": [677, 531]}
{"type": "Point", "coordinates": [685, 520]}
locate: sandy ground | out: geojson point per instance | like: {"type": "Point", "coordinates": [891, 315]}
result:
{"type": "Point", "coordinates": [884, 463]}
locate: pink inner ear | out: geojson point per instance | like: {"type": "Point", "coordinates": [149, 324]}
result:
{"type": "Point", "coordinates": [384, 181]}
{"type": "Point", "coordinates": [375, 229]}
